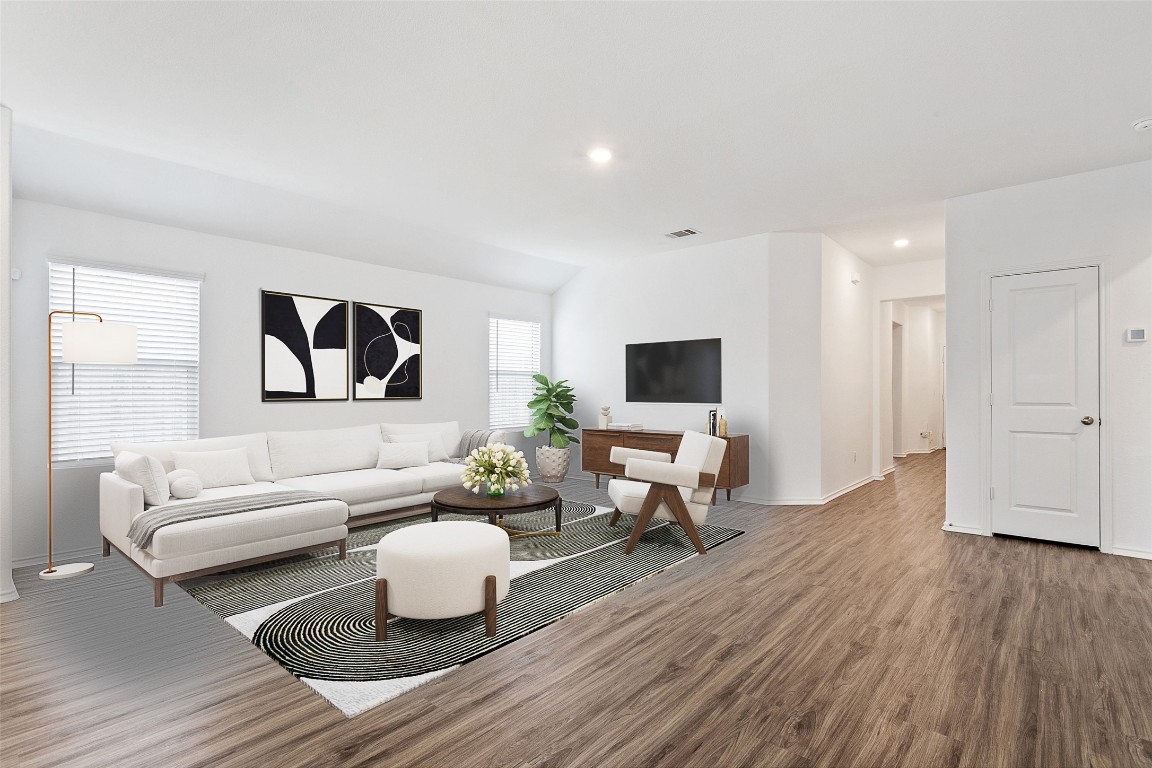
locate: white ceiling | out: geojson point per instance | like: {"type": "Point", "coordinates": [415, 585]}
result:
{"type": "Point", "coordinates": [450, 137]}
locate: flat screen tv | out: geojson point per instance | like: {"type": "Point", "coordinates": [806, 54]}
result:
{"type": "Point", "coordinates": [673, 372]}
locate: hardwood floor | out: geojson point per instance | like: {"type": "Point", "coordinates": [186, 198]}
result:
{"type": "Point", "coordinates": [853, 634]}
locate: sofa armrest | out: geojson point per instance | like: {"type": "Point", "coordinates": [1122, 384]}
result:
{"type": "Point", "coordinates": [498, 436]}
{"type": "Point", "coordinates": [668, 474]}
{"type": "Point", "coordinates": [120, 502]}
{"type": "Point", "coordinates": [620, 455]}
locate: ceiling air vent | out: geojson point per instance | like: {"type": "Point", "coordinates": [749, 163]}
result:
{"type": "Point", "coordinates": [682, 233]}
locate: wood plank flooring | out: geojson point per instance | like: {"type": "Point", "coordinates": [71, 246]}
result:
{"type": "Point", "coordinates": [853, 634]}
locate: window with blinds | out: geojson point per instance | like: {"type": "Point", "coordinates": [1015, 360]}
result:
{"type": "Point", "coordinates": [513, 358]}
{"type": "Point", "coordinates": [94, 406]}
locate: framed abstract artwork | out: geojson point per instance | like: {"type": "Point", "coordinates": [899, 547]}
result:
{"type": "Point", "coordinates": [387, 348]}
{"type": "Point", "coordinates": [305, 354]}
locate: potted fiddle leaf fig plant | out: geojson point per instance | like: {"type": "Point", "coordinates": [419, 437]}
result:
{"type": "Point", "coordinates": [552, 405]}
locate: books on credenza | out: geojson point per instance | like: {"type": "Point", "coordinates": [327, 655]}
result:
{"type": "Point", "coordinates": [630, 426]}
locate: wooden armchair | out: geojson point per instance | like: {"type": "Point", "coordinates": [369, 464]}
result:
{"type": "Point", "coordinates": [679, 491]}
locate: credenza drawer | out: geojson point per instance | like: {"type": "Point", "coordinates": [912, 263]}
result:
{"type": "Point", "coordinates": [652, 442]}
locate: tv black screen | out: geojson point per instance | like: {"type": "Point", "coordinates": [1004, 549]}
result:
{"type": "Point", "coordinates": [673, 372]}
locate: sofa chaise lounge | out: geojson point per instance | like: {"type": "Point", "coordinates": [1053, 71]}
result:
{"type": "Point", "coordinates": [363, 479]}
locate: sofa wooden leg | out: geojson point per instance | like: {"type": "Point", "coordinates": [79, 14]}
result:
{"type": "Point", "coordinates": [343, 545]}
{"type": "Point", "coordinates": [105, 547]}
{"type": "Point", "coordinates": [157, 593]}
{"type": "Point", "coordinates": [490, 606]}
{"type": "Point", "coordinates": [615, 518]}
{"type": "Point", "coordinates": [381, 609]}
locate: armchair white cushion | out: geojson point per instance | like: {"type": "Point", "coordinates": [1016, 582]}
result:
{"type": "Point", "coordinates": [679, 491]}
{"type": "Point", "coordinates": [620, 455]}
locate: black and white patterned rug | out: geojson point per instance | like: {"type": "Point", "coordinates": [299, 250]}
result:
{"type": "Point", "coordinates": [314, 614]}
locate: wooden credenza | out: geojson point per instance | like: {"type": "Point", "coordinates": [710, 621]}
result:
{"type": "Point", "coordinates": [596, 450]}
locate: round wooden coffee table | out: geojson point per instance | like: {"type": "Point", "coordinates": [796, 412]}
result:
{"type": "Point", "coordinates": [528, 499]}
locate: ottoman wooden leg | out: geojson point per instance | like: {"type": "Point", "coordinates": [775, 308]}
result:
{"type": "Point", "coordinates": [615, 518]}
{"type": "Point", "coordinates": [382, 609]}
{"type": "Point", "coordinates": [490, 606]}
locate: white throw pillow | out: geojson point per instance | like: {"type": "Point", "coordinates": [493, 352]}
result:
{"type": "Point", "coordinates": [146, 472]}
{"type": "Point", "coordinates": [185, 484]}
{"type": "Point", "coordinates": [402, 455]}
{"type": "Point", "coordinates": [449, 432]}
{"type": "Point", "coordinates": [216, 468]}
{"type": "Point", "coordinates": [436, 450]}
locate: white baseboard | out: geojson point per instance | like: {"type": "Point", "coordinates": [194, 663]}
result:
{"type": "Point", "coordinates": [1143, 554]}
{"type": "Point", "coordinates": [953, 528]}
{"type": "Point", "coordinates": [884, 473]}
{"type": "Point", "coordinates": [846, 489]}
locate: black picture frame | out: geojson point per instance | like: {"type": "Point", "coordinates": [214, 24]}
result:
{"type": "Point", "coordinates": [304, 348]}
{"type": "Point", "coordinates": [388, 352]}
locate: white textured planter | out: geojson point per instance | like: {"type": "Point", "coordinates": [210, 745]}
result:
{"type": "Point", "coordinates": [552, 463]}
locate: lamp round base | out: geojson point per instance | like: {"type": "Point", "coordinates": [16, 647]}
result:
{"type": "Point", "coordinates": [67, 571]}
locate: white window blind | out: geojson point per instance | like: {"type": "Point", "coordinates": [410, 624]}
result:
{"type": "Point", "coordinates": [513, 358]}
{"type": "Point", "coordinates": [156, 399]}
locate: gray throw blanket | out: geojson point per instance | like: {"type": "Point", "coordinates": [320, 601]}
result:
{"type": "Point", "coordinates": [473, 439]}
{"type": "Point", "coordinates": [144, 527]}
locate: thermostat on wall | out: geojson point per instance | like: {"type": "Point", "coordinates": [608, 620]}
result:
{"type": "Point", "coordinates": [1135, 334]}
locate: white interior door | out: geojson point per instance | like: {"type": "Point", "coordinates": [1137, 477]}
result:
{"type": "Point", "coordinates": [1046, 406]}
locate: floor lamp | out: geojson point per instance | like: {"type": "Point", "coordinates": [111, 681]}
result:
{"type": "Point", "coordinates": [99, 342]}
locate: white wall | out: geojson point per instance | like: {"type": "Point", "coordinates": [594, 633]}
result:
{"type": "Point", "coordinates": [915, 279]}
{"type": "Point", "coordinates": [922, 383]}
{"type": "Point", "coordinates": [7, 588]}
{"type": "Point", "coordinates": [455, 361]}
{"type": "Point", "coordinates": [710, 291]}
{"type": "Point", "coordinates": [846, 378]}
{"type": "Point", "coordinates": [792, 324]}
{"type": "Point", "coordinates": [1102, 217]}
{"type": "Point", "coordinates": [794, 385]}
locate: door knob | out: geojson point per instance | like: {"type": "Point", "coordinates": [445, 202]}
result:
{"type": "Point", "coordinates": [1087, 420]}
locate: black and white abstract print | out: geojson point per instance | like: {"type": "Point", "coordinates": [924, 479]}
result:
{"type": "Point", "coordinates": [305, 347]}
{"type": "Point", "coordinates": [387, 347]}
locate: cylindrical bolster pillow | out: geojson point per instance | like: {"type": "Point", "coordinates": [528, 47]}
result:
{"type": "Point", "coordinates": [659, 472]}
{"type": "Point", "coordinates": [185, 483]}
{"type": "Point", "coordinates": [620, 455]}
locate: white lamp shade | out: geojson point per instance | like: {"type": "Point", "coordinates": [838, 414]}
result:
{"type": "Point", "coordinates": [109, 343]}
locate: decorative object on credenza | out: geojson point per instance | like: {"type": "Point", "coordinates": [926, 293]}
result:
{"type": "Point", "coordinates": [715, 420]}
{"type": "Point", "coordinates": [305, 354]}
{"type": "Point", "coordinates": [625, 426]}
{"type": "Point", "coordinates": [605, 416]}
{"type": "Point", "coordinates": [552, 405]}
{"type": "Point", "coordinates": [388, 351]}
{"type": "Point", "coordinates": [498, 468]}
{"type": "Point", "coordinates": [101, 343]}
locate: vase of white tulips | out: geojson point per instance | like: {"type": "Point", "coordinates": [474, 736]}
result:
{"type": "Point", "coordinates": [498, 468]}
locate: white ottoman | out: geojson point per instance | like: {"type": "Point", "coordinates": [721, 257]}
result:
{"type": "Point", "coordinates": [441, 570]}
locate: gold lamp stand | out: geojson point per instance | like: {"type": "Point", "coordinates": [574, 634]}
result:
{"type": "Point", "coordinates": [100, 342]}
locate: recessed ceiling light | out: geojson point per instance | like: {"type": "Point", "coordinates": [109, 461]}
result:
{"type": "Point", "coordinates": [900, 243]}
{"type": "Point", "coordinates": [600, 154]}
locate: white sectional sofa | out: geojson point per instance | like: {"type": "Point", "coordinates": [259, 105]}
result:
{"type": "Point", "coordinates": [339, 463]}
